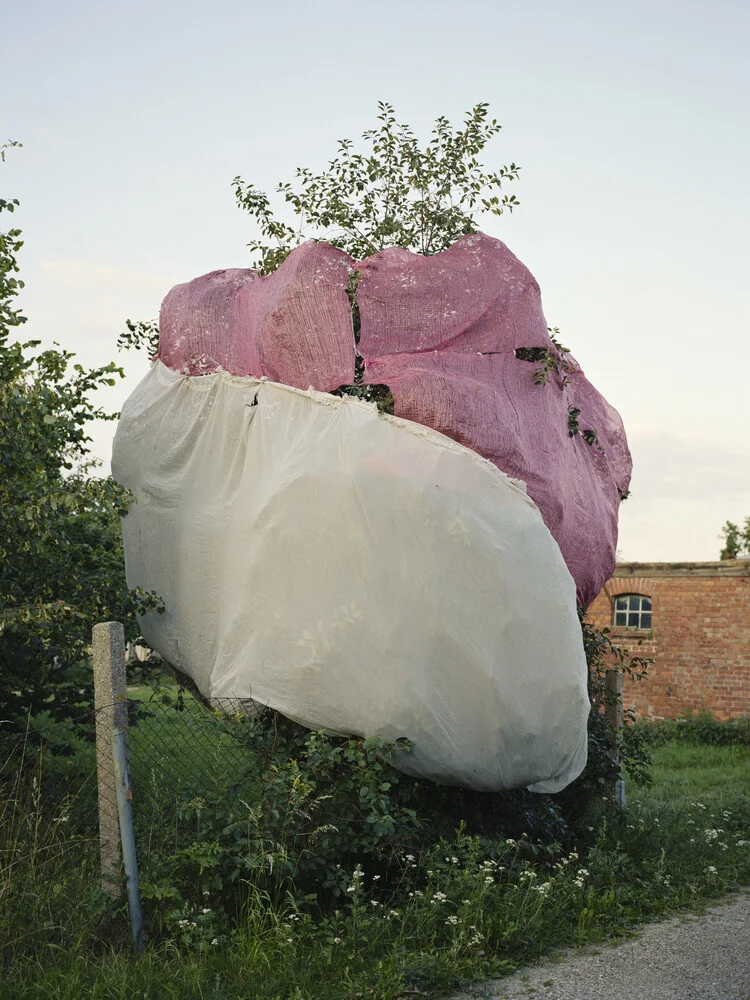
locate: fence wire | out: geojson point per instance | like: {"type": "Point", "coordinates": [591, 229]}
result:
{"type": "Point", "coordinates": [180, 752]}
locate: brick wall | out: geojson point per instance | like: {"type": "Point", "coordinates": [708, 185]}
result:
{"type": "Point", "coordinates": [699, 641]}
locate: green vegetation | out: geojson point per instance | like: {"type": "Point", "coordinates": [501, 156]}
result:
{"type": "Point", "coordinates": [736, 540]}
{"type": "Point", "coordinates": [61, 559]}
{"type": "Point", "coordinates": [255, 906]}
{"type": "Point", "coordinates": [393, 194]}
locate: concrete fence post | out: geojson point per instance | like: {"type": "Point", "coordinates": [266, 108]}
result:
{"type": "Point", "coordinates": [110, 703]}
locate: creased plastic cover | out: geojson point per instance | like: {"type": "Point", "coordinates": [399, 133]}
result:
{"type": "Point", "coordinates": [356, 572]}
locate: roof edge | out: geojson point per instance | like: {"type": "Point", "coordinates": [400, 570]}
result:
{"type": "Point", "coordinates": [727, 567]}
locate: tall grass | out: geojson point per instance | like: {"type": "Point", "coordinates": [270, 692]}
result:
{"type": "Point", "coordinates": [47, 868]}
{"type": "Point", "coordinates": [465, 908]}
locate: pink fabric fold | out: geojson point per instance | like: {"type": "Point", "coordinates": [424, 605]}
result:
{"type": "Point", "coordinates": [293, 326]}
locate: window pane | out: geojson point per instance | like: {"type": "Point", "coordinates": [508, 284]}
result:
{"type": "Point", "coordinates": [646, 621]}
{"type": "Point", "coordinates": [635, 603]}
{"type": "Point", "coordinates": [633, 619]}
{"type": "Point", "coordinates": [621, 604]}
{"type": "Point", "coordinates": [645, 604]}
{"type": "Point", "coordinates": [621, 618]}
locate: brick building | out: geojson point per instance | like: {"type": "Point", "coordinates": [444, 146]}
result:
{"type": "Point", "coordinates": [693, 620]}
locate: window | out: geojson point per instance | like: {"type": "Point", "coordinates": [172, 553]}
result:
{"type": "Point", "coordinates": [633, 611]}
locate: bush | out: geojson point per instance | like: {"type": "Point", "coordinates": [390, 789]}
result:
{"type": "Point", "coordinates": [305, 808]}
{"type": "Point", "coordinates": [701, 728]}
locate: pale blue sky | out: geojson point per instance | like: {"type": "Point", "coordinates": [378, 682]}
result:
{"type": "Point", "coordinates": [630, 123]}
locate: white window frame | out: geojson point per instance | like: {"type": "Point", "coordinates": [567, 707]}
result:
{"type": "Point", "coordinates": [636, 609]}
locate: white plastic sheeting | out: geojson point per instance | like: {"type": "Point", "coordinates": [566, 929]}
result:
{"type": "Point", "coordinates": [357, 572]}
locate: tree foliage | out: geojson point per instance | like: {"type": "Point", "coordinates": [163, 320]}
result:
{"type": "Point", "coordinates": [736, 540]}
{"type": "Point", "coordinates": [140, 335]}
{"type": "Point", "coordinates": [393, 194]}
{"type": "Point", "coordinates": [61, 556]}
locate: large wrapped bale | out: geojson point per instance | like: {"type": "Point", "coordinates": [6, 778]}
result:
{"type": "Point", "coordinates": [355, 571]}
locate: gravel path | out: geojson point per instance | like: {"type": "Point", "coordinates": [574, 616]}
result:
{"type": "Point", "coordinates": [687, 957]}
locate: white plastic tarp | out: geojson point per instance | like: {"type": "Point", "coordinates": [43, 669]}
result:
{"type": "Point", "coordinates": [357, 572]}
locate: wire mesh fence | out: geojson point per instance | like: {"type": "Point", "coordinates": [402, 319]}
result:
{"type": "Point", "coordinates": [180, 751]}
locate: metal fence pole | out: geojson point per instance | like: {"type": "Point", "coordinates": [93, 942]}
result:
{"type": "Point", "coordinates": [613, 709]}
{"type": "Point", "coordinates": [110, 702]}
{"type": "Point", "coordinates": [127, 836]}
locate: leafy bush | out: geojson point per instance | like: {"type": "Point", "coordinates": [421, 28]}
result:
{"type": "Point", "coordinates": [700, 728]}
{"type": "Point", "coordinates": [306, 808]}
{"type": "Point", "coordinates": [611, 754]}
{"type": "Point", "coordinates": [61, 556]}
{"type": "Point", "coordinates": [303, 809]}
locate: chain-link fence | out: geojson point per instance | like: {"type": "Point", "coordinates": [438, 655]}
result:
{"type": "Point", "coordinates": [178, 750]}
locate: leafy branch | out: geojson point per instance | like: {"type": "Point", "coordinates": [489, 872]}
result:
{"type": "Point", "coordinates": [395, 193]}
{"type": "Point", "coordinates": [736, 540]}
{"type": "Point", "coordinates": [140, 335]}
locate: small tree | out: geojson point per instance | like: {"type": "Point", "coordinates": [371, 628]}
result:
{"type": "Point", "coordinates": [736, 541]}
{"type": "Point", "coordinates": [394, 194]}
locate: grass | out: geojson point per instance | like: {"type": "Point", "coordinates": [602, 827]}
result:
{"type": "Point", "coordinates": [464, 910]}
{"type": "Point", "coordinates": [713, 773]}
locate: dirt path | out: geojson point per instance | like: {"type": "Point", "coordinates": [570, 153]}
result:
{"type": "Point", "coordinates": [687, 957]}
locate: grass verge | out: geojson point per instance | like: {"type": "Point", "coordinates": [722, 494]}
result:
{"type": "Point", "coordinates": [463, 910]}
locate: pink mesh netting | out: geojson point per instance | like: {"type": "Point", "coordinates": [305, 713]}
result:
{"type": "Point", "coordinates": [441, 332]}
{"type": "Point", "coordinates": [293, 326]}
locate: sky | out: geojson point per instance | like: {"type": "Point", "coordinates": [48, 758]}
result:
{"type": "Point", "coordinates": [629, 122]}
